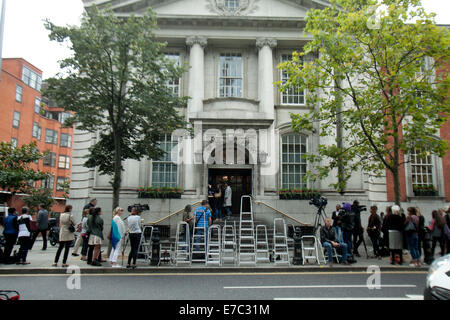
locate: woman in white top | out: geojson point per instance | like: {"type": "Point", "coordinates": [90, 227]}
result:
{"type": "Point", "coordinates": [134, 227]}
{"type": "Point", "coordinates": [117, 212]}
{"type": "Point", "coordinates": [24, 235]}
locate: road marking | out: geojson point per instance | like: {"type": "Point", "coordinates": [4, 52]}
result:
{"type": "Point", "coordinates": [215, 274]}
{"type": "Point", "coordinates": [322, 286]}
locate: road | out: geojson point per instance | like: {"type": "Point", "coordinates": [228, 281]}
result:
{"type": "Point", "coordinates": [235, 287]}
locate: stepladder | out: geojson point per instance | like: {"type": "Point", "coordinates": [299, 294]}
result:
{"type": "Point", "coordinates": [214, 246]}
{"type": "Point", "coordinates": [280, 245]}
{"type": "Point", "coordinates": [262, 244]}
{"type": "Point", "coordinates": [183, 244]}
{"type": "Point", "coordinates": [247, 245]}
{"type": "Point", "coordinates": [199, 236]}
{"type": "Point", "coordinates": [229, 244]}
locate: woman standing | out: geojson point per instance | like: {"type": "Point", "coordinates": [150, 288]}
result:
{"type": "Point", "coordinates": [219, 202]}
{"type": "Point", "coordinates": [384, 228]}
{"type": "Point", "coordinates": [66, 236]}
{"type": "Point", "coordinates": [436, 226]}
{"type": "Point", "coordinates": [394, 225]}
{"type": "Point", "coordinates": [134, 226]}
{"type": "Point", "coordinates": [189, 219]}
{"type": "Point", "coordinates": [412, 237]}
{"type": "Point", "coordinates": [81, 238]}
{"type": "Point", "coordinates": [24, 235]}
{"type": "Point", "coordinates": [373, 230]}
{"type": "Point", "coordinates": [95, 229]}
{"type": "Point", "coordinates": [421, 231]}
{"type": "Point", "coordinates": [117, 234]}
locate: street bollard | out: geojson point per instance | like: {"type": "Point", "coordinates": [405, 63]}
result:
{"type": "Point", "coordinates": [156, 247]}
{"type": "Point", "coordinates": [297, 260]}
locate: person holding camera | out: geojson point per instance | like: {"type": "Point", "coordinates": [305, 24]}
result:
{"type": "Point", "coordinates": [135, 233]}
{"type": "Point", "coordinates": [329, 241]}
{"type": "Point", "coordinates": [373, 230]}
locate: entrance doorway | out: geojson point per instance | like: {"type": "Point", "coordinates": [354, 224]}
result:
{"type": "Point", "coordinates": [240, 181]}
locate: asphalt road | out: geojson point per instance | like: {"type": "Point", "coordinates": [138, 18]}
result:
{"type": "Point", "coordinates": [235, 287]}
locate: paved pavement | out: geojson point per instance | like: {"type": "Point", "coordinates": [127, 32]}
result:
{"type": "Point", "coordinates": [41, 262]}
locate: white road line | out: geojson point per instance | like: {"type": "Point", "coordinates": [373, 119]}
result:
{"type": "Point", "coordinates": [322, 286]}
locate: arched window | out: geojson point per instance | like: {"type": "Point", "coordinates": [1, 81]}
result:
{"type": "Point", "coordinates": [293, 163]}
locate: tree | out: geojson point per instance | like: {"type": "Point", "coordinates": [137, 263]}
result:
{"type": "Point", "coordinates": [38, 196]}
{"type": "Point", "coordinates": [16, 174]}
{"type": "Point", "coordinates": [116, 83]}
{"type": "Point", "coordinates": [375, 77]}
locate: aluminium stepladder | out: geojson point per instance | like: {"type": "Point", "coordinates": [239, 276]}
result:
{"type": "Point", "coordinates": [145, 244]}
{"type": "Point", "coordinates": [214, 247]}
{"type": "Point", "coordinates": [229, 244]}
{"type": "Point", "coordinates": [199, 239]}
{"type": "Point", "coordinates": [262, 244]}
{"type": "Point", "coordinates": [280, 245]}
{"type": "Point", "coordinates": [183, 244]}
{"type": "Point", "coordinates": [247, 245]}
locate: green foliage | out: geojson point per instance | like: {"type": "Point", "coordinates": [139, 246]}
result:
{"type": "Point", "coordinates": [37, 196]}
{"type": "Point", "coordinates": [116, 83]}
{"type": "Point", "coordinates": [16, 174]}
{"type": "Point", "coordinates": [375, 77]}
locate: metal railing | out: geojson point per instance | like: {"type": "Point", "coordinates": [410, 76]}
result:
{"type": "Point", "coordinates": [171, 214]}
{"type": "Point", "coordinates": [280, 212]}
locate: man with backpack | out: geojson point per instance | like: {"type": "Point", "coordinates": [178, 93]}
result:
{"type": "Point", "coordinates": [203, 218]}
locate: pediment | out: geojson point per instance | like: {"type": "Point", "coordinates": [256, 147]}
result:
{"type": "Point", "coordinates": [251, 8]}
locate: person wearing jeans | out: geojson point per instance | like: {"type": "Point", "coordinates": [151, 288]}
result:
{"type": "Point", "coordinates": [329, 241]}
{"type": "Point", "coordinates": [412, 237]}
{"type": "Point", "coordinates": [135, 233]}
{"type": "Point", "coordinates": [10, 231]}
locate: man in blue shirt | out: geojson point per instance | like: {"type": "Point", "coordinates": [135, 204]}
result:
{"type": "Point", "coordinates": [11, 230]}
{"type": "Point", "coordinates": [203, 218]}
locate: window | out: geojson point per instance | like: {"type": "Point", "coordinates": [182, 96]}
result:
{"type": "Point", "coordinates": [64, 162]}
{"type": "Point", "coordinates": [292, 95]}
{"type": "Point", "coordinates": [174, 85]}
{"type": "Point", "coordinates": [19, 93]}
{"type": "Point", "coordinates": [66, 140]}
{"type": "Point", "coordinates": [422, 169]}
{"type": "Point", "coordinates": [232, 4]}
{"type": "Point", "coordinates": [293, 164]}
{"type": "Point", "coordinates": [60, 182]}
{"type": "Point", "coordinates": [50, 159]}
{"type": "Point", "coordinates": [165, 171]}
{"type": "Point", "coordinates": [37, 105]}
{"type": "Point", "coordinates": [16, 119]}
{"type": "Point", "coordinates": [14, 142]}
{"type": "Point", "coordinates": [49, 182]}
{"type": "Point", "coordinates": [51, 136]}
{"type": "Point", "coordinates": [230, 75]}
{"type": "Point", "coordinates": [63, 116]}
{"type": "Point", "coordinates": [31, 78]}
{"type": "Point", "coordinates": [37, 131]}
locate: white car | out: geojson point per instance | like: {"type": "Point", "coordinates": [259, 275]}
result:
{"type": "Point", "coordinates": [438, 280]}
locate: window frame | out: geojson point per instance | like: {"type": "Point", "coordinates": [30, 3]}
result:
{"type": "Point", "coordinates": [170, 83]}
{"type": "Point", "coordinates": [69, 140]}
{"type": "Point", "coordinates": [19, 93]}
{"type": "Point", "coordinates": [66, 162]}
{"type": "Point", "coordinates": [166, 161]}
{"type": "Point", "coordinates": [49, 160]}
{"type": "Point", "coordinates": [219, 87]}
{"type": "Point", "coordinates": [302, 184]}
{"type": "Point", "coordinates": [16, 121]}
{"type": "Point", "coordinates": [283, 79]}
{"type": "Point", "coordinates": [54, 137]}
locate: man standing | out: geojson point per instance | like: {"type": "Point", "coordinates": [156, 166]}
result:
{"type": "Point", "coordinates": [10, 231]}
{"type": "Point", "coordinates": [329, 241]}
{"type": "Point", "coordinates": [227, 200]}
{"type": "Point", "coordinates": [91, 204]}
{"type": "Point", "coordinates": [42, 224]}
{"type": "Point", "coordinates": [203, 219]}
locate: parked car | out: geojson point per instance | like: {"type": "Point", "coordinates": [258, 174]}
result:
{"type": "Point", "coordinates": [438, 280]}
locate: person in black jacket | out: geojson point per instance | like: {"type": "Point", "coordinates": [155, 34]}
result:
{"type": "Point", "coordinates": [373, 230]}
{"type": "Point", "coordinates": [358, 230]}
{"type": "Point", "coordinates": [347, 225]}
{"type": "Point", "coordinates": [329, 241]}
{"type": "Point", "coordinates": [395, 224]}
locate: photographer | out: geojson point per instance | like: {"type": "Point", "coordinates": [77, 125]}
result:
{"type": "Point", "coordinates": [358, 231]}
{"type": "Point", "coordinates": [336, 216]}
{"type": "Point", "coordinates": [348, 225]}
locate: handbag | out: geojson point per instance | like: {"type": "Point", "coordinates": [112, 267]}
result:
{"type": "Point", "coordinates": [410, 227]}
{"type": "Point", "coordinates": [218, 195]}
{"type": "Point", "coordinates": [71, 227]}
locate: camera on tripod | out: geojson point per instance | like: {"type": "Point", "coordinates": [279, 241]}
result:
{"type": "Point", "coordinates": [319, 202]}
{"type": "Point", "coordinates": [139, 207]}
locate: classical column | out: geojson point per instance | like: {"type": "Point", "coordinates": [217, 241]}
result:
{"type": "Point", "coordinates": [196, 90]}
{"type": "Point", "coordinates": [268, 171]}
{"type": "Point", "coordinates": [265, 75]}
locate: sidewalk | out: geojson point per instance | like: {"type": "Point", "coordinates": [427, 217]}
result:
{"type": "Point", "coordinates": [41, 263]}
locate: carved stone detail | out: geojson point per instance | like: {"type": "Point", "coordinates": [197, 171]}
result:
{"type": "Point", "coordinates": [202, 41]}
{"type": "Point", "coordinates": [261, 42]}
{"type": "Point", "coordinates": [245, 7]}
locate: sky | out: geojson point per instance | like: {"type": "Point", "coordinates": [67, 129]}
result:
{"type": "Point", "coordinates": [26, 37]}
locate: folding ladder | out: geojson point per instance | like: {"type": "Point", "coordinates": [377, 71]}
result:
{"type": "Point", "coordinates": [247, 248]}
{"type": "Point", "coordinates": [214, 247]}
{"type": "Point", "coordinates": [145, 244]}
{"type": "Point", "coordinates": [182, 244]}
{"type": "Point", "coordinates": [229, 243]}
{"type": "Point", "coordinates": [198, 244]}
{"type": "Point", "coordinates": [311, 249]}
{"type": "Point", "coordinates": [262, 244]}
{"type": "Point", "coordinates": [280, 245]}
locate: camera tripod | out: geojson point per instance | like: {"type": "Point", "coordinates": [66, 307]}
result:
{"type": "Point", "coordinates": [320, 217]}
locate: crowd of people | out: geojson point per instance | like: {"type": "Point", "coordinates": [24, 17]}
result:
{"type": "Point", "coordinates": [390, 233]}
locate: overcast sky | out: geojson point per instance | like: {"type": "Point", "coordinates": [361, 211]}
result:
{"type": "Point", "coordinates": [25, 36]}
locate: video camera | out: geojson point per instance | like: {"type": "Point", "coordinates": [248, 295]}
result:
{"type": "Point", "coordinates": [139, 207]}
{"type": "Point", "coordinates": [319, 202]}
